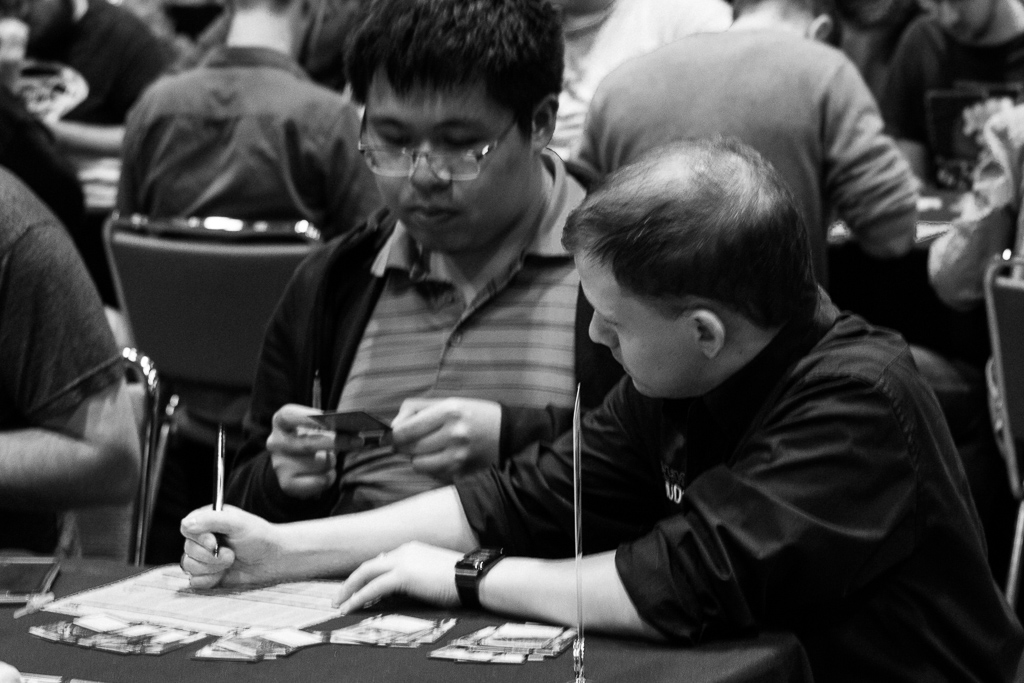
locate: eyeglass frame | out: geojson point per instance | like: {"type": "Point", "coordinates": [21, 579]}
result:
{"type": "Point", "coordinates": [477, 153]}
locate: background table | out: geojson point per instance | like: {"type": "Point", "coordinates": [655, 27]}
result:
{"type": "Point", "coordinates": [768, 657]}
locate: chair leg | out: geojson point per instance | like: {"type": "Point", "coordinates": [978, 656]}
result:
{"type": "Point", "coordinates": [1013, 576]}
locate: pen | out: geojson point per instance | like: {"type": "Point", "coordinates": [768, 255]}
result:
{"type": "Point", "coordinates": [35, 603]}
{"type": "Point", "coordinates": [218, 497]}
{"type": "Point", "coordinates": [317, 398]}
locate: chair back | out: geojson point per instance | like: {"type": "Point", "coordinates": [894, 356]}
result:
{"type": "Point", "coordinates": [197, 293]}
{"type": "Point", "coordinates": [1004, 297]}
{"type": "Point", "coordinates": [122, 531]}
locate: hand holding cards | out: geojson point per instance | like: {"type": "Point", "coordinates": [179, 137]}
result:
{"type": "Point", "coordinates": [305, 442]}
{"type": "Point", "coordinates": [355, 425]}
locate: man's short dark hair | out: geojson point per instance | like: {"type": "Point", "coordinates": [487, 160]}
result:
{"type": "Point", "coordinates": [812, 7]}
{"type": "Point", "coordinates": [514, 46]}
{"type": "Point", "coordinates": [815, 8]}
{"type": "Point", "coordinates": [703, 218]}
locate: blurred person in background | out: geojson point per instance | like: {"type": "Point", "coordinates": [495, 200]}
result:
{"type": "Point", "coordinates": [602, 34]}
{"type": "Point", "coordinates": [112, 49]}
{"type": "Point", "coordinates": [68, 437]}
{"type": "Point", "coordinates": [955, 66]}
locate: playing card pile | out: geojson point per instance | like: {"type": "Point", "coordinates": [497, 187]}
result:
{"type": "Point", "coordinates": [508, 644]}
{"type": "Point", "coordinates": [256, 645]}
{"type": "Point", "coordinates": [391, 630]}
{"type": "Point", "coordinates": [102, 632]}
{"type": "Point", "coordinates": [43, 678]}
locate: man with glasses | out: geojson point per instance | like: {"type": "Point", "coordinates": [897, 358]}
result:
{"type": "Point", "coordinates": [454, 312]}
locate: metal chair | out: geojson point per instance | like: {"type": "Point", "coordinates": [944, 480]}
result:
{"type": "Point", "coordinates": [122, 531]}
{"type": "Point", "coordinates": [1004, 299]}
{"type": "Point", "coordinates": [197, 293]}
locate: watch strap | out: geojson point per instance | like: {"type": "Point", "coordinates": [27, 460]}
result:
{"type": "Point", "coordinates": [470, 570]}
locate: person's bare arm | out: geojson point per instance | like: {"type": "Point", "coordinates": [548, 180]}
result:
{"type": "Point", "coordinates": [88, 138]}
{"type": "Point", "coordinates": [252, 550]}
{"type": "Point", "coordinates": [88, 456]}
{"type": "Point", "coordinates": [541, 590]}
{"type": "Point", "coordinates": [917, 156]}
{"type": "Point", "coordinates": [545, 590]}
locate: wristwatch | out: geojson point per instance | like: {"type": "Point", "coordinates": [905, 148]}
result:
{"type": "Point", "coordinates": [470, 569]}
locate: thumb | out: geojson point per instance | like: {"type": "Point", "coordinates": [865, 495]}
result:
{"type": "Point", "coordinates": [230, 521]}
{"type": "Point", "coordinates": [410, 407]}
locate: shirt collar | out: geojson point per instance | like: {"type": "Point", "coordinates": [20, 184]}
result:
{"type": "Point", "coordinates": [224, 56]}
{"type": "Point", "coordinates": [402, 252]}
{"type": "Point", "coordinates": [736, 402]}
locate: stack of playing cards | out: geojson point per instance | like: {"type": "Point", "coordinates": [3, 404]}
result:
{"type": "Point", "coordinates": [103, 632]}
{"type": "Point", "coordinates": [508, 644]}
{"type": "Point", "coordinates": [391, 630]}
{"type": "Point", "coordinates": [256, 645]}
{"type": "Point", "coordinates": [43, 678]}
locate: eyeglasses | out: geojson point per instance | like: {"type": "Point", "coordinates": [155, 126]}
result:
{"type": "Point", "coordinates": [400, 162]}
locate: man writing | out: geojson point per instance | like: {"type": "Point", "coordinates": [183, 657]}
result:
{"type": "Point", "coordinates": [818, 488]}
{"type": "Point", "coordinates": [457, 296]}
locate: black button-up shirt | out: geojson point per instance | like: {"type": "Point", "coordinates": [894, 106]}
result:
{"type": "Point", "coordinates": [817, 490]}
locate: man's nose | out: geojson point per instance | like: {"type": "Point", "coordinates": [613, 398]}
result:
{"type": "Point", "coordinates": [598, 331]}
{"type": "Point", "coordinates": [422, 175]}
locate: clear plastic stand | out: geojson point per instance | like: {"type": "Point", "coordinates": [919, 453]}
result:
{"type": "Point", "coordinates": [579, 675]}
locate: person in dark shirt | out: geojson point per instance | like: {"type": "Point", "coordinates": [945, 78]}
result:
{"type": "Point", "coordinates": [768, 462]}
{"type": "Point", "coordinates": [954, 67]}
{"type": "Point", "coordinates": [114, 51]}
{"type": "Point", "coordinates": [247, 135]}
{"type": "Point", "coordinates": [29, 150]}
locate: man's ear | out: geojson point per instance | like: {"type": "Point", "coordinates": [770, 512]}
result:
{"type": "Point", "coordinates": [544, 116]}
{"type": "Point", "coordinates": [820, 28]}
{"type": "Point", "coordinates": [709, 331]}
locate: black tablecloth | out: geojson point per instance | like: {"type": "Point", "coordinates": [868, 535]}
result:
{"type": "Point", "coordinates": [768, 657]}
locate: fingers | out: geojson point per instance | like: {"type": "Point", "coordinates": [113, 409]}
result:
{"type": "Point", "coordinates": [411, 406]}
{"type": "Point", "coordinates": [204, 568]}
{"type": "Point", "coordinates": [426, 421]}
{"type": "Point", "coordinates": [306, 475]}
{"type": "Point", "coordinates": [296, 433]}
{"type": "Point", "coordinates": [373, 580]}
{"type": "Point", "coordinates": [204, 522]}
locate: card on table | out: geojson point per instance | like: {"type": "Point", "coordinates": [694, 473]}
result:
{"type": "Point", "coordinates": [255, 645]}
{"type": "Point", "coordinates": [23, 577]}
{"type": "Point", "coordinates": [391, 630]}
{"type": "Point", "coordinates": [43, 678]}
{"type": "Point", "coordinates": [508, 644]}
{"type": "Point", "coordinates": [110, 634]}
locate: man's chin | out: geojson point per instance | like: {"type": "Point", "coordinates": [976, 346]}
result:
{"type": "Point", "coordinates": [647, 391]}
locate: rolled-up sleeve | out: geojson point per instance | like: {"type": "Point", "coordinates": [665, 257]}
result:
{"type": "Point", "coordinates": [773, 534]}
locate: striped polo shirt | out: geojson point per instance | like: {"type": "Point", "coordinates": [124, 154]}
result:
{"type": "Point", "coordinates": [514, 343]}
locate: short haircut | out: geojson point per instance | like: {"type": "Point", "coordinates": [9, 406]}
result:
{"type": "Point", "coordinates": [812, 7]}
{"type": "Point", "coordinates": [701, 218]}
{"type": "Point", "coordinates": [869, 14]}
{"type": "Point", "coordinates": [514, 46]}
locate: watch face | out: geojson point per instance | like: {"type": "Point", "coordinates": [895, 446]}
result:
{"type": "Point", "coordinates": [478, 559]}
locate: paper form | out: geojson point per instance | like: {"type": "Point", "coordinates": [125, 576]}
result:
{"type": "Point", "coordinates": [163, 596]}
